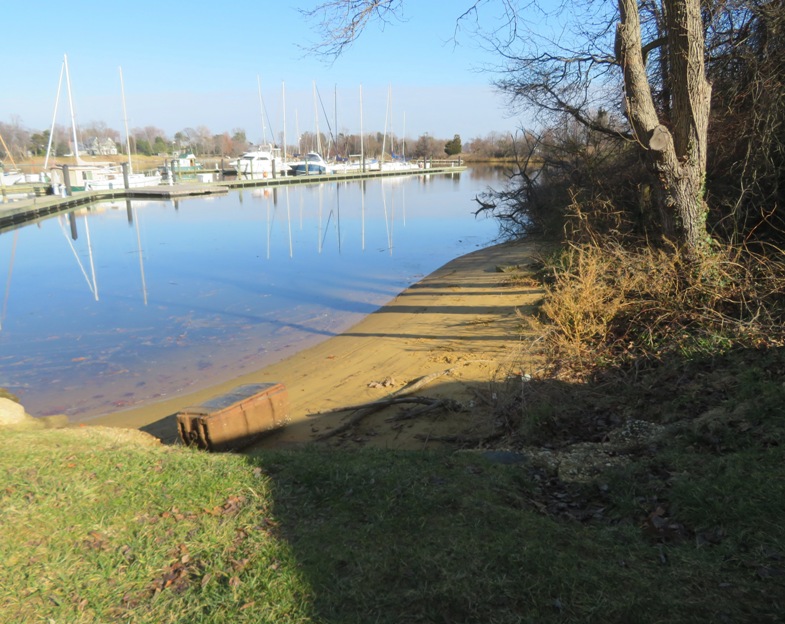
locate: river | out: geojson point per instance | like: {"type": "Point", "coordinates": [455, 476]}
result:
{"type": "Point", "coordinates": [124, 303]}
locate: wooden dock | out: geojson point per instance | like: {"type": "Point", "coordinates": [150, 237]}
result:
{"type": "Point", "coordinates": [15, 213]}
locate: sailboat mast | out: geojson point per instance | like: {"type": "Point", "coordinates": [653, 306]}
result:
{"type": "Point", "coordinates": [403, 139]}
{"type": "Point", "coordinates": [384, 138]}
{"type": "Point", "coordinates": [71, 105]}
{"type": "Point", "coordinates": [362, 140]}
{"type": "Point", "coordinates": [283, 94]}
{"type": "Point", "coordinates": [261, 109]}
{"type": "Point", "coordinates": [297, 131]}
{"type": "Point", "coordinates": [316, 121]}
{"type": "Point", "coordinates": [125, 121]}
{"type": "Point", "coordinates": [54, 117]}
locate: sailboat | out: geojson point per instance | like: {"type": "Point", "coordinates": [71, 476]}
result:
{"type": "Point", "coordinates": [313, 163]}
{"type": "Point", "coordinates": [91, 176]}
{"type": "Point", "coordinates": [115, 178]}
{"type": "Point", "coordinates": [265, 160]}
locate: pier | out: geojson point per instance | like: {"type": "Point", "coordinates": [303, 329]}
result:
{"type": "Point", "coordinates": [17, 212]}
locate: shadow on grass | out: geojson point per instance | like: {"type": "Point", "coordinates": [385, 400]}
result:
{"type": "Point", "coordinates": [689, 530]}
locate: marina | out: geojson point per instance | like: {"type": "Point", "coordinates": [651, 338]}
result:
{"type": "Point", "coordinates": [32, 203]}
{"type": "Point", "coordinates": [134, 299]}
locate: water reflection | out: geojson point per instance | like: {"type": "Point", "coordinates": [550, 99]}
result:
{"type": "Point", "coordinates": [201, 290]}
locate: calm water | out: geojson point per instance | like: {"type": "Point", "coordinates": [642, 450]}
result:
{"type": "Point", "coordinates": [153, 298]}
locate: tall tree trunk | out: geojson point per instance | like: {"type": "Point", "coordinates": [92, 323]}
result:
{"type": "Point", "coordinates": [677, 154]}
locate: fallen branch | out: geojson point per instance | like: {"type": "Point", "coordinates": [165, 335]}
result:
{"type": "Point", "coordinates": [458, 439]}
{"type": "Point", "coordinates": [429, 405]}
{"type": "Point", "coordinates": [393, 400]}
{"type": "Point", "coordinates": [362, 411]}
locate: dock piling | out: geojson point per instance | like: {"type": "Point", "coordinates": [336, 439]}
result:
{"type": "Point", "coordinates": [67, 180]}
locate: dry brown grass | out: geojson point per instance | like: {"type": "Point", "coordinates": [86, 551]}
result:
{"type": "Point", "coordinates": [609, 304]}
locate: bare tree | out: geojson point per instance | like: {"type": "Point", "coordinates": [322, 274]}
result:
{"type": "Point", "coordinates": [340, 22]}
{"type": "Point", "coordinates": [677, 153]}
{"type": "Point", "coordinates": [586, 65]}
{"type": "Point", "coordinates": [15, 138]}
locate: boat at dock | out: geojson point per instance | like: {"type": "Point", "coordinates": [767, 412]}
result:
{"type": "Point", "coordinates": [312, 164]}
{"type": "Point", "coordinates": [9, 178]}
{"type": "Point", "coordinates": [112, 178]}
{"type": "Point", "coordinates": [262, 162]}
{"type": "Point", "coordinates": [96, 176]}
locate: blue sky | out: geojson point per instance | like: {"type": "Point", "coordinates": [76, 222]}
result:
{"type": "Point", "coordinates": [196, 64]}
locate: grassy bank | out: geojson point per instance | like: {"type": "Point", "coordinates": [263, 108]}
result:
{"type": "Point", "coordinates": [102, 526]}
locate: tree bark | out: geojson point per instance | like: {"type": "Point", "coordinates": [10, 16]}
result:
{"type": "Point", "coordinates": [677, 151]}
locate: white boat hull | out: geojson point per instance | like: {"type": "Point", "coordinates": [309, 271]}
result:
{"type": "Point", "coordinates": [117, 181]}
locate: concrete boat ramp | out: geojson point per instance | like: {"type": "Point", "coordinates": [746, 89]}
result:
{"type": "Point", "coordinates": [14, 213]}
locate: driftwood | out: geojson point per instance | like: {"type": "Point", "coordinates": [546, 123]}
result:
{"type": "Point", "coordinates": [399, 396]}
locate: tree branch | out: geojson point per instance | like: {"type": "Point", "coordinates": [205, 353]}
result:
{"type": "Point", "coordinates": [361, 412]}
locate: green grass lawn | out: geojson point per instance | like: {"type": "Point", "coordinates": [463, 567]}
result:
{"type": "Point", "coordinates": [101, 529]}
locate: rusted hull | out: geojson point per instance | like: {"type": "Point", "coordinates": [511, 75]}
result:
{"type": "Point", "coordinates": [236, 419]}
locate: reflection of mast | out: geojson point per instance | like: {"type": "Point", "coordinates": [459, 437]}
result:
{"type": "Point", "coordinates": [338, 217]}
{"type": "Point", "coordinates": [289, 222]}
{"type": "Point", "coordinates": [392, 217]}
{"type": "Point", "coordinates": [91, 285]}
{"type": "Point", "coordinates": [387, 225]}
{"type": "Point", "coordinates": [320, 220]}
{"type": "Point", "coordinates": [90, 255]}
{"type": "Point", "coordinates": [139, 248]}
{"type": "Point", "coordinates": [403, 200]}
{"type": "Point", "coordinates": [362, 212]}
{"type": "Point", "coordinates": [8, 281]}
{"type": "Point", "coordinates": [269, 226]}
{"type": "Point", "coordinates": [72, 222]}
{"type": "Point", "coordinates": [270, 219]}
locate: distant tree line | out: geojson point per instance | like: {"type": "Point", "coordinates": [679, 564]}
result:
{"type": "Point", "coordinates": [150, 141]}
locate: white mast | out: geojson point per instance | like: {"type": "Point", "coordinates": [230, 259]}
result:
{"type": "Point", "coordinates": [283, 92]}
{"type": "Point", "coordinates": [261, 110]}
{"type": "Point", "coordinates": [71, 105]}
{"type": "Point", "coordinates": [362, 141]}
{"type": "Point", "coordinates": [297, 131]}
{"type": "Point", "coordinates": [54, 116]}
{"type": "Point", "coordinates": [316, 120]}
{"type": "Point", "coordinates": [386, 119]}
{"type": "Point", "coordinates": [125, 120]}
{"type": "Point", "coordinates": [403, 139]}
